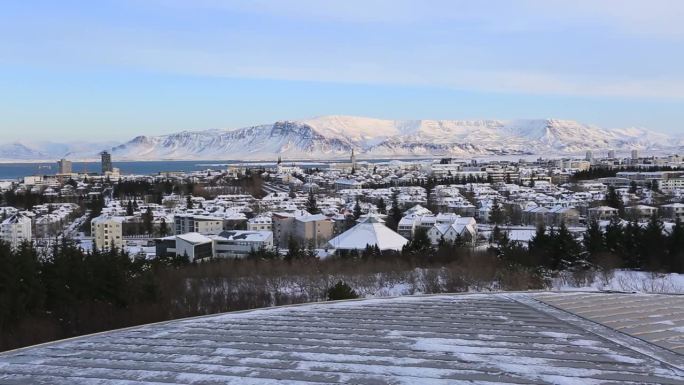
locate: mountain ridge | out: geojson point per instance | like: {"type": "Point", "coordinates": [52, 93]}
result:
{"type": "Point", "coordinates": [334, 136]}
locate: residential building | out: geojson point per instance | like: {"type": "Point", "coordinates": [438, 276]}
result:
{"type": "Point", "coordinates": [602, 213]}
{"type": "Point", "coordinates": [260, 223]}
{"type": "Point", "coordinates": [305, 228]}
{"type": "Point", "coordinates": [107, 232]}
{"type": "Point", "coordinates": [16, 229]}
{"type": "Point", "coordinates": [640, 212]}
{"type": "Point", "coordinates": [462, 229]}
{"type": "Point", "coordinates": [203, 224]}
{"type": "Point", "coordinates": [559, 214]}
{"type": "Point", "coordinates": [315, 230]}
{"type": "Point", "coordinates": [673, 211]}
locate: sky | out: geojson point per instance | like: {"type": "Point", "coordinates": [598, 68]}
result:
{"type": "Point", "coordinates": [115, 69]}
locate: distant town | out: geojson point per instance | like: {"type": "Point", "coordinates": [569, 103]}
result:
{"type": "Point", "coordinates": [345, 207]}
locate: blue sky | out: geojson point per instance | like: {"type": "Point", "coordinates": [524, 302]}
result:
{"type": "Point", "coordinates": [101, 70]}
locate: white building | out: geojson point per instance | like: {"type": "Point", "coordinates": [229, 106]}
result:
{"type": "Point", "coordinates": [370, 232]}
{"type": "Point", "coordinates": [260, 223]}
{"type": "Point", "coordinates": [234, 243]}
{"type": "Point", "coordinates": [203, 224]}
{"type": "Point", "coordinates": [107, 232]}
{"type": "Point", "coordinates": [238, 243]}
{"type": "Point", "coordinates": [16, 229]}
{"type": "Point", "coordinates": [673, 211]}
{"type": "Point", "coordinates": [462, 228]}
{"type": "Point", "coordinates": [602, 213]}
{"type": "Point", "coordinates": [194, 246]}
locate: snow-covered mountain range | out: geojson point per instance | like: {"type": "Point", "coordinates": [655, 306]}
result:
{"type": "Point", "coordinates": [331, 137]}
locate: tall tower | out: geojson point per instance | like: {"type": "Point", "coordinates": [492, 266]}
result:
{"type": "Point", "coordinates": [106, 162]}
{"type": "Point", "coordinates": [64, 166]}
{"type": "Point", "coordinates": [353, 160]}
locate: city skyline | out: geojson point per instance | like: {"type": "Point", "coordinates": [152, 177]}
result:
{"type": "Point", "coordinates": [72, 70]}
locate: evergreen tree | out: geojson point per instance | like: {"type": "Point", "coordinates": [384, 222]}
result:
{"type": "Point", "coordinates": [613, 199]}
{"type": "Point", "coordinates": [420, 240]}
{"type": "Point", "coordinates": [294, 250]}
{"type": "Point", "coordinates": [341, 291]}
{"type": "Point", "coordinates": [395, 214]}
{"type": "Point", "coordinates": [539, 246]}
{"type": "Point", "coordinates": [652, 244]}
{"type": "Point", "coordinates": [632, 187]}
{"type": "Point", "coordinates": [564, 248]}
{"type": "Point", "coordinates": [593, 241]}
{"type": "Point", "coordinates": [129, 209]}
{"type": "Point", "coordinates": [311, 204]}
{"type": "Point", "coordinates": [675, 248]}
{"type": "Point", "coordinates": [496, 214]}
{"type": "Point", "coordinates": [614, 236]}
{"type": "Point", "coordinates": [148, 217]}
{"type": "Point", "coordinates": [357, 209]}
{"type": "Point", "coordinates": [631, 253]}
{"type": "Point", "coordinates": [382, 206]}
{"type": "Point", "coordinates": [163, 228]}
{"type": "Point", "coordinates": [188, 202]}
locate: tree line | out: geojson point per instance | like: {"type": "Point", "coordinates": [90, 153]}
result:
{"type": "Point", "coordinates": [620, 244]}
{"type": "Point", "coordinates": [66, 291]}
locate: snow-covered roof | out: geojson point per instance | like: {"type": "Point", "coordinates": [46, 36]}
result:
{"type": "Point", "coordinates": [369, 232]}
{"type": "Point", "coordinates": [449, 339]}
{"type": "Point", "coordinates": [194, 238]}
{"type": "Point", "coordinates": [243, 235]}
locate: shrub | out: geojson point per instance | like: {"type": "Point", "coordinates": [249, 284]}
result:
{"type": "Point", "coordinates": [341, 291]}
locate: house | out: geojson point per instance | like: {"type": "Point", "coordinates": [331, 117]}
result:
{"type": "Point", "coordinates": [462, 229]}
{"type": "Point", "coordinates": [535, 215]}
{"type": "Point", "coordinates": [16, 229]}
{"type": "Point", "coordinates": [602, 213]}
{"type": "Point", "coordinates": [559, 214]}
{"type": "Point", "coordinates": [673, 211]}
{"type": "Point", "coordinates": [107, 232]}
{"type": "Point", "coordinates": [370, 232]}
{"type": "Point", "coordinates": [640, 212]}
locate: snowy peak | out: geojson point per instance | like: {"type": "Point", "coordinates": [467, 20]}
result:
{"type": "Point", "coordinates": [334, 136]}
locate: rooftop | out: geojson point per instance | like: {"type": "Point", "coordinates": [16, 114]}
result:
{"type": "Point", "coordinates": [504, 338]}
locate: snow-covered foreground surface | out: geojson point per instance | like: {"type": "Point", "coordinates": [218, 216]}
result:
{"type": "Point", "coordinates": [660, 321]}
{"type": "Point", "coordinates": [446, 339]}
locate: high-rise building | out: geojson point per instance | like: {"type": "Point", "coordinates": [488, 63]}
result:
{"type": "Point", "coordinates": [107, 232]}
{"type": "Point", "coordinates": [611, 154]}
{"type": "Point", "coordinates": [589, 156]}
{"type": "Point", "coordinates": [106, 162]}
{"type": "Point", "coordinates": [64, 166]}
{"type": "Point", "coordinates": [635, 154]}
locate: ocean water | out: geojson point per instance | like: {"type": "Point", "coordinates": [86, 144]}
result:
{"type": "Point", "coordinates": [19, 170]}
